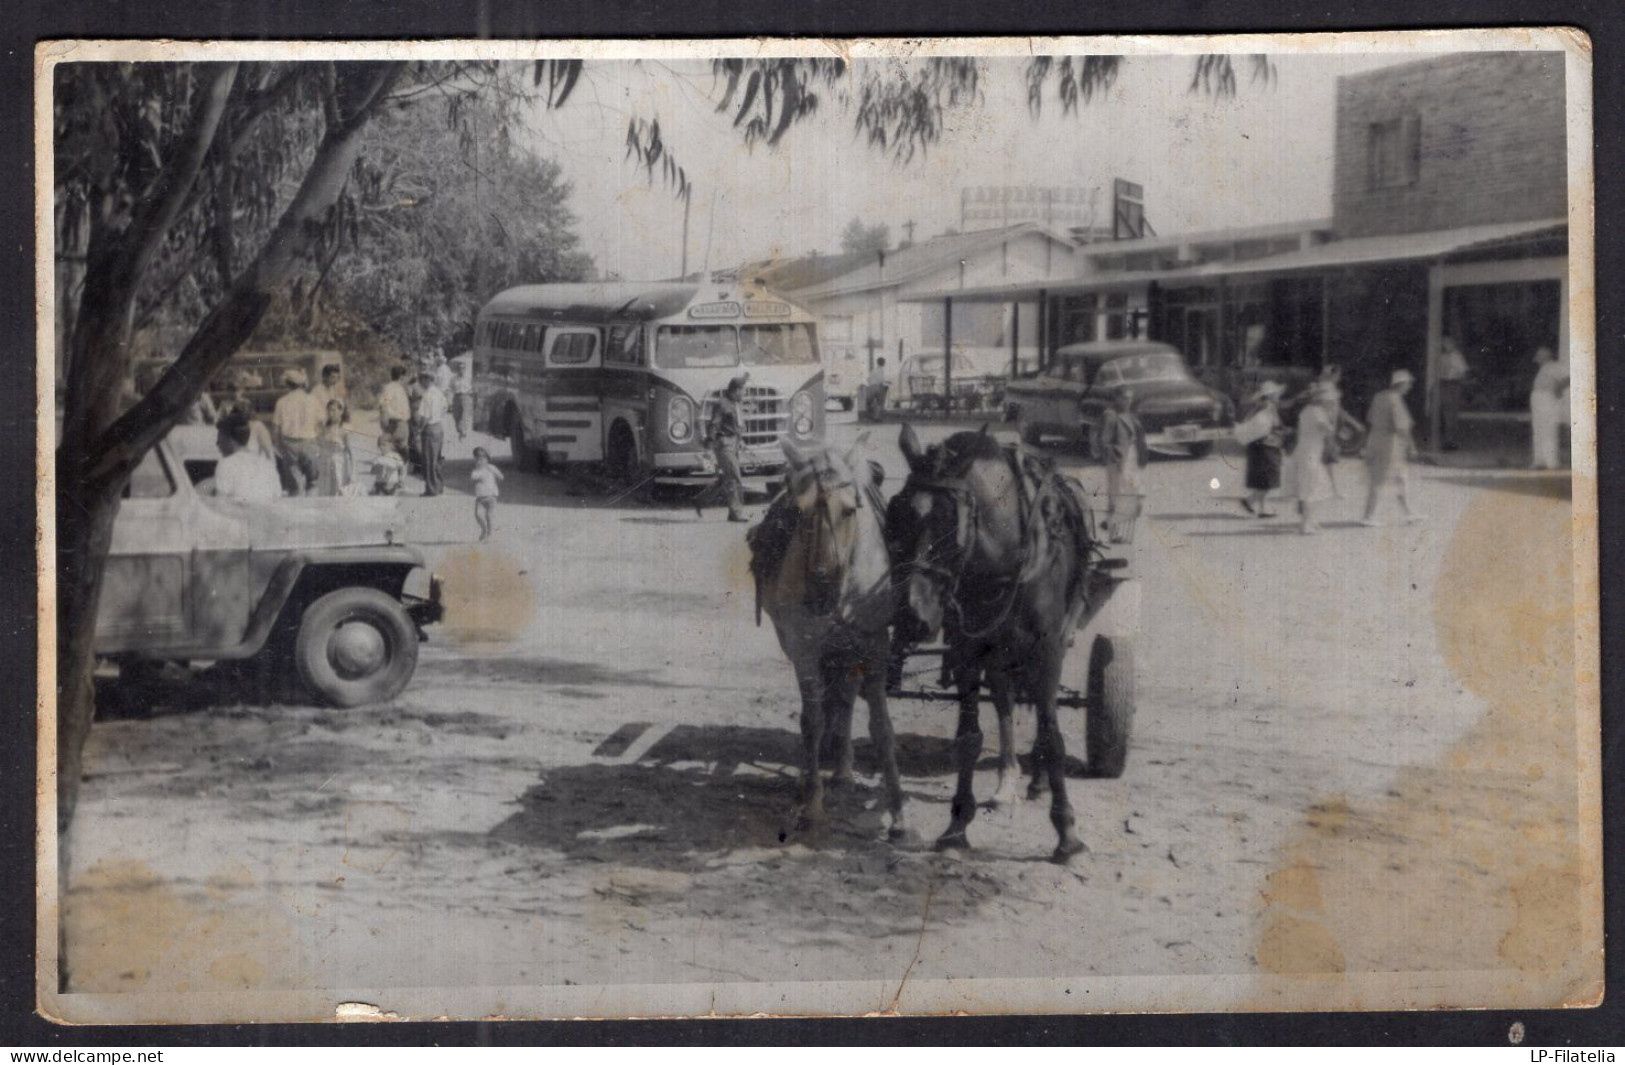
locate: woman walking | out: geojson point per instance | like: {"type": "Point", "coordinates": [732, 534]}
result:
{"type": "Point", "coordinates": [1265, 436]}
{"type": "Point", "coordinates": [1312, 454]}
{"type": "Point", "coordinates": [1548, 409]}
{"type": "Point", "coordinates": [1390, 447]}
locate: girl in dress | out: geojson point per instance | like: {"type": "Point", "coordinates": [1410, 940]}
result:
{"type": "Point", "coordinates": [336, 468]}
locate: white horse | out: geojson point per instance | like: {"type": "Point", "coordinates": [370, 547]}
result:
{"type": "Point", "coordinates": [823, 575]}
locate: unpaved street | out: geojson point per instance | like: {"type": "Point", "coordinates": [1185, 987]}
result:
{"type": "Point", "coordinates": [1353, 753]}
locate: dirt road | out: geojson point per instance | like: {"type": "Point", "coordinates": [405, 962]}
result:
{"type": "Point", "coordinates": [1353, 753]}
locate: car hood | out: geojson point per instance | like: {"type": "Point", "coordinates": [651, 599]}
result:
{"type": "Point", "coordinates": [299, 524]}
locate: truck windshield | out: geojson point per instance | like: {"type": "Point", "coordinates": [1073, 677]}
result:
{"type": "Point", "coordinates": [778, 345]}
{"type": "Point", "coordinates": [680, 347]}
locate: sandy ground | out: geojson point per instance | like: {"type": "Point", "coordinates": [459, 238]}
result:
{"type": "Point", "coordinates": [1352, 753]}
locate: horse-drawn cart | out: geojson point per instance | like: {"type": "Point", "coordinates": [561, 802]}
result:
{"type": "Point", "coordinates": [1107, 628]}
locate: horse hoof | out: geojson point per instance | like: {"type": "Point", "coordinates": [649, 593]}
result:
{"type": "Point", "coordinates": [1066, 849]}
{"type": "Point", "coordinates": [953, 841]}
{"type": "Point", "coordinates": [903, 838]}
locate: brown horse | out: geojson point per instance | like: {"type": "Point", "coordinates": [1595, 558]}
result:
{"type": "Point", "coordinates": [993, 548]}
{"type": "Point", "coordinates": [823, 575]}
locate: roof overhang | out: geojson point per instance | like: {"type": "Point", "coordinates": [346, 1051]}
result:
{"type": "Point", "coordinates": [1435, 245]}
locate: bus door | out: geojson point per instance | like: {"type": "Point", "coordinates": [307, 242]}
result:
{"type": "Point", "coordinates": [572, 419]}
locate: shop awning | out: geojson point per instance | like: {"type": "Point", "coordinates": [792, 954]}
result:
{"type": "Point", "coordinates": [1333, 255]}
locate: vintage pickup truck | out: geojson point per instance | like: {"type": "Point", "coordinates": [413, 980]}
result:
{"type": "Point", "coordinates": [194, 578]}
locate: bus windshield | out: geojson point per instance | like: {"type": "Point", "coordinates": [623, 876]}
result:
{"type": "Point", "coordinates": [777, 345]}
{"type": "Point", "coordinates": [682, 347]}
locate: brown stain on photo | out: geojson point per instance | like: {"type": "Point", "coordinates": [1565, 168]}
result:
{"type": "Point", "coordinates": [489, 597]}
{"type": "Point", "coordinates": [134, 930]}
{"type": "Point", "coordinates": [1473, 863]}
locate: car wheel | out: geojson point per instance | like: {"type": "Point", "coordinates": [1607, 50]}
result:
{"type": "Point", "coordinates": [356, 646]}
{"type": "Point", "coordinates": [1030, 434]}
{"type": "Point", "coordinates": [1201, 450]}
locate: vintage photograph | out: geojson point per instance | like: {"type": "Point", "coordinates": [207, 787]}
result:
{"type": "Point", "coordinates": [789, 527]}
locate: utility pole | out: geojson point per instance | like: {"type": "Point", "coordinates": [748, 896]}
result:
{"type": "Point", "coordinates": [687, 199]}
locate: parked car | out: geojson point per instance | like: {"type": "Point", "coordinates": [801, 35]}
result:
{"type": "Point", "coordinates": [1179, 414]}
{"type": "Point", "coordinates": [194, 578]}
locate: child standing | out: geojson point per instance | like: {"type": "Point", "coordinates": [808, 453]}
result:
{"type": "Point", "coordinates": [485, 478]}
{"type": "Point", "coordinates": [388, 469]}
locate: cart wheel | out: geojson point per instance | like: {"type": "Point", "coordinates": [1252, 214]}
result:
{"type": "Point", "coordinates": [1110, 715]}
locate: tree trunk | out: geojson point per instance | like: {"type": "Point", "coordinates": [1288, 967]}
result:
{"type": "Point", "coordinates": [95, 460]}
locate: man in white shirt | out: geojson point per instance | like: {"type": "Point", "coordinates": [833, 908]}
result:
{"type": "Point", "coordinates": [462, 393]}
{"type": "Point", "coordinates": [1453, 375]}
{"type": "Point", "coordinates": [332, 387]}
{"type": "Point", "coordinates": [432, 407]}
{"type": "Point", "coordinates": [395, 409]}
{"type": "Point", "coordinates": [295, 425]}
{"type": "Point", "coordinates": [243, 473]}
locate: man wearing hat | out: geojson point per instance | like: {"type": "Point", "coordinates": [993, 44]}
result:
{"type": "Point", "coordinates": [432, 407]}
{"type": "Point", "coordinates": [722, 436]}
{"type": "Point", "coordinates": [295, 426]}
{"type": "Point", "coordinates": [1390, 447]}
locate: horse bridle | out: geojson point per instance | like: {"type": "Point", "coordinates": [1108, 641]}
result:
{"type": "Point", "coordinates": [825, 527]}
{"type": "Point", "coordinates": [967, 517]}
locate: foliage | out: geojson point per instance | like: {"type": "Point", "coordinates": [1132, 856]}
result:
{"type": "Point", "coordinates": [858, 237]}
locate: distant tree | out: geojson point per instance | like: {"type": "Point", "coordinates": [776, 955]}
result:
{"type": "Point", "coordinates": [858, 237]}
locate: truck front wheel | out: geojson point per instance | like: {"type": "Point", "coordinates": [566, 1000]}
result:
{"type": "Point", "coordinates": [356, 646]}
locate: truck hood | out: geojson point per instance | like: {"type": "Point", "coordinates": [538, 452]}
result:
{"type": "Point", "coordinates": [294, 524]}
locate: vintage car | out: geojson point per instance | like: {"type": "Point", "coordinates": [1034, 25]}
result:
{"type": "Point", "coordinates": [194, 578]}
{"type": "Point", "coordinates": [1180, 415]}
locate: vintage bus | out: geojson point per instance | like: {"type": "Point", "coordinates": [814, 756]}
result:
{"type": "Point", "coordinates": [625, 374]}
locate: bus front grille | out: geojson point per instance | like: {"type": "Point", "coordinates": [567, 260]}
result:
{"type": "Point", "coordinates": [764, 418]}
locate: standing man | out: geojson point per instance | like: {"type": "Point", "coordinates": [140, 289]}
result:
{"type": "Point", "coordinates": [443, 374]}
{"type": "Point", "coordinates": [331, 388]}
{"type": "Point", "coordinates": [432, 409]}
{"type": "Point", "coordinates": [294, 428]}
{"type": "Point", "coordinates": [722, 436]}
{"type": "Point", "coordinates": [876, 396]}
{"type": "Point", "coordinates": [462, 393]}
{"type": "Point", "coordinates": [395, 409]}
{"type": "Point", "coordinates": [1453, 375]}
{"type": "Point", "coordinates": [1123, 449]}
{"type": "Point", "coordinates": [1389, 448]}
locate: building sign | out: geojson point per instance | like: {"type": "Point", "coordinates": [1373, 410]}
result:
{"type": "Point", "coordinates": [1128, 211]}
{"type": "Point", "coordinates": [1060, 207]}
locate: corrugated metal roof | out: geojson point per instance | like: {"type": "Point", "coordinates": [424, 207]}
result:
{"type": "Point", "coordinates": [1357, 251]}
{"type": "Point", "coordinates": [905, 264]}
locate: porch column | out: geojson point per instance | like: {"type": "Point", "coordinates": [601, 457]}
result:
{"type": "Point", "coordinates": [947, 353]}
{"type": "Point", "coordinates": [1015, 338]}
{"type": "Point", "coordinates": [1043, 328]}
{"type": "Point", "coordinates": [1434, 344]}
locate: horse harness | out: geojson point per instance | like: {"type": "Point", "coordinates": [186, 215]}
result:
{"type": "Point", "coordinates": [770, 540]}
{"type": "Point", "coordinates": [1035, 484]}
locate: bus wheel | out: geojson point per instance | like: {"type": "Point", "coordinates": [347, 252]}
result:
{"type": "Point", "coordinates": [622, 455]}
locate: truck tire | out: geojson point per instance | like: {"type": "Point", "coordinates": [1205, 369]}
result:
{"type": "Point", "coordinates": [1200, 450]}
{"type": "Point", "coordinates": [1110, 711]}
{"type": "Point", "coordinates": [356, 646]}
{"type": "Point", "coordinates": [621, 457]}
{"type": "Point", "coordinates": [1030, 435]}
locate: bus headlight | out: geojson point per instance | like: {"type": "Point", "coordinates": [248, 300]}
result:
{"type": "Point", "coordinates": [801, 414]}
{"type": "Point", "coordinates": [680, 418]}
